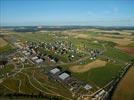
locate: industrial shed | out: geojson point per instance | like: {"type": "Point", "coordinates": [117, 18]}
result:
{"type": "Point", "coordinates": [64, 76]}
{"type": "Point", "coordinates": [54, 71]}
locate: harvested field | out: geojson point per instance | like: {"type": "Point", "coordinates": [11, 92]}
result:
{"type": "Point", "coordinates": [84, 36]}
{"type": "Point", "coordinates": [127, 50]}
{"type": "Point", "coordinates": [10, 84]}
{"type": "Point", "coordinates": [84, 68]}
{"type": "Point", "coordinates": [2, 42]}
{"type": "Point", "coordinates": [121, 42]}
{"type": "Point", "coordinates": [125, 89]}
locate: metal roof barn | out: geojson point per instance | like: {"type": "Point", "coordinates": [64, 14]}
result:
{"type": "Point", "coordinates": [64, 76]}
{"type": "Point", "coordinates": [54, 71]}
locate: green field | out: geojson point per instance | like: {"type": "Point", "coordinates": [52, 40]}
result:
{"type": "Point", "coordinates": [44, 37]}
{"type": "Point", "coordinates": [118, 55]}
{"type": "Point", "coordinates": [6, 48]}
{"type": "Point", "coordinates": [131, 45]}
{"type": "Point", "coordinates": [99, 76]}
{"type": "Point", "coordinates": [6, 69]}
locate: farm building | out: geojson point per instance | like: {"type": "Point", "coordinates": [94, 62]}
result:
{"type": "Point", "coordinates": [55, 70]}
{"type": "Point", "coordinates": [64, 76]}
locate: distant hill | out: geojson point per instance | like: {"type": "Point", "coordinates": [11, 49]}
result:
{"type": "Point", "coordinates": [60, 28]}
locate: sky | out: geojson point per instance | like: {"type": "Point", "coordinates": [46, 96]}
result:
{"type": "Point", "coordinates": [67, 12]}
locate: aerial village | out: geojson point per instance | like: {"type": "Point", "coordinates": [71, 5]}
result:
{"type": "Point", "coordinates": [41, 54]}
{"type": "Point", "coordinates": [64, 77]}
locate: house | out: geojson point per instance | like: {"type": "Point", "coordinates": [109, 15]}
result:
{"type": "Point", "coordinates": [23, 59]}
{"type": "Point", "coordinates": [34, 58]}
{"type": "Point", "coordinates": [26, 53]}
{"type": "Point", "coordinates": [38, 61]}
{"type": "Point", "coordinates": [87, 87]}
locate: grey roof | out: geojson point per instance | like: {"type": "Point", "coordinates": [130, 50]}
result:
{"type": "Point", "coordinates": [24, 51]}
{"type": "Point", "coordinates": [54, 71]}
{"type": "Point", "coordinates": [63, 76]}
{"type": "Point", "coordinates": [34, 58]}
{"type": "Point", "coordinates": [39, 60]}
{"type": "Point", "coordinates": [27, 53]}
{"type": "Point", "coordinates": [87, 87]}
